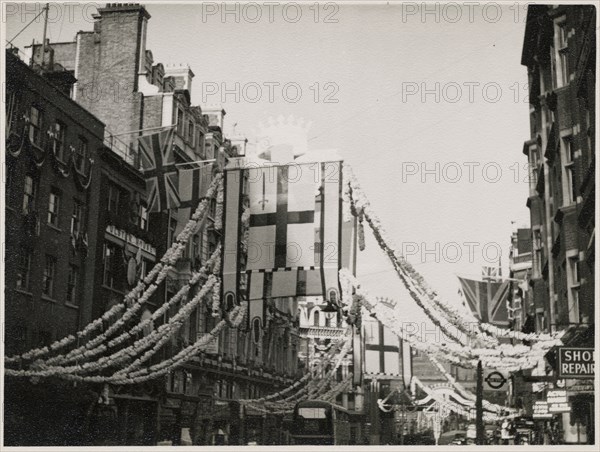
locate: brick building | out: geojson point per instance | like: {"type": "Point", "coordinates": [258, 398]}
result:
{"type": "Point", "coordinates": [118, 80]}
{"type": "Point", "coordinates": [52, 169]}
{"type": "Point", "coordinates": [77, 220]}
{"type": "Point", "coordinates": [559, 52]}
{"type": "Point", "coordinates": [521, 314]}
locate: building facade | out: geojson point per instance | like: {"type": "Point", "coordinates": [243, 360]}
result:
{"type": "Point", "coordinates": [118, 80]}
{"type": "Point", "coordinates": [52, 167]}
{"type": "Point", "coordinates": [559, 52]}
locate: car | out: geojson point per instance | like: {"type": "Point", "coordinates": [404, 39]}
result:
{"type": "Point", "coordinates": [458, 440]}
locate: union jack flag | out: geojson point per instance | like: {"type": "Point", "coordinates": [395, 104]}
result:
{"type": "Point", "coordinates": [158, 164]}
{"type": "Point", "coordinates": [487, 299]}
{"type": "Point", "coordinates": [490, 273]}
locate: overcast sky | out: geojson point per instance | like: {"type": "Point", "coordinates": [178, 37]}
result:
{"type": "Point", "coordinates": [363, 71]}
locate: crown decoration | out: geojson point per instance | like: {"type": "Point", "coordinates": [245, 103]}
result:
{"type": "Point", "coordinates": [282, 137]}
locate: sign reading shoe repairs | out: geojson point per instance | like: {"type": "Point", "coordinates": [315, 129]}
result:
{"type": "Point", "coordinates": [575, 362]}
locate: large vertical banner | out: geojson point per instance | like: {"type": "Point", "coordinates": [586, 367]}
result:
{"type": "Point", "coordinates": [193, 185]}
{"type": "Point", "coordinates": [294, 234]}
{"type": "Point", "coordinates": [230, 261]}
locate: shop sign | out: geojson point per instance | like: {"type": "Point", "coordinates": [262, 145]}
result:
{"type": "Point", "coordinates": [558, 402]}
{"type": "Point", "coordinates": [495, 380]}
{"type": "Point", "coordinates": [575, 362]}
{"type": "Point", "coordinates": [130, 239]}
{"type": "Point", "coordinates": [541, 410]}
{"type": "Point", "coordinates": [581, 386]}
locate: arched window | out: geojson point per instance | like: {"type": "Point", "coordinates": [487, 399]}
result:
{"type": "Point", "coordinates": [316, 318]}
{"type": "Point", "coordinates": [229, 301]}
{"type": "Point", "coordinates": [333, 298]}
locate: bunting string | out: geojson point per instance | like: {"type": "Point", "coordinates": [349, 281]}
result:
{"type": "Point", "coordinates": [505, 356]}
{"type": "Point", "coordinates": [427, 299]}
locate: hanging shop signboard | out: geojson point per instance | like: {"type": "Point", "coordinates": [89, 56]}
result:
{"type": "Point", "coordinates": [575, 362]}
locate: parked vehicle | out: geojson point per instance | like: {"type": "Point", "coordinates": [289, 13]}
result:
{"type": "Point", "coordinates": [316, 422]}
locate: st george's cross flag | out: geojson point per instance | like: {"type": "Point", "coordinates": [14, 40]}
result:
{"type": "Point", "coordinates": [158, 165]}
{"type": "Point", "coordinates": [294, 243]}
{"type": "Point", "coordinates": [487, 300]}
{"type": "Point", "coordinates": [193, 185]}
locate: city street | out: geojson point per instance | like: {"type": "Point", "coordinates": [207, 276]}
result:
{"type": "Point", "coordinates": [299, 223]}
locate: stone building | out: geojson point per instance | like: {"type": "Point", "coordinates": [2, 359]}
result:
{"type": "Point", "coordinates": [559, 52]}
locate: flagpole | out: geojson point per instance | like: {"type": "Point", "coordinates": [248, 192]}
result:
{"type": "Point", "coordinates": [469, 276]}
{"type": "Point", "coordinates": [195, 162]}
{"type": "Point", "coordinates": [131, 132]}
{"type": "Point", "coordinates": [269, 164]}
{"type": "Point", "coordinates": [489, 300]}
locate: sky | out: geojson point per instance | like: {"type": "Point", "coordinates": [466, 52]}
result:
{"type": "Point", "coordinates": [426, 103]}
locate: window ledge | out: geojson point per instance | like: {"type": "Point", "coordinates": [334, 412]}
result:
{"type": "Point", "coordinates": [47, 298]}
{"type": "Point", "coordinates": [56, 228]}
{"type": "Point", "coordinates": [24, 292]}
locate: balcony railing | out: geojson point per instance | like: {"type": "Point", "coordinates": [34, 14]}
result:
{"type": "Point", "coordinates": [122, 149]}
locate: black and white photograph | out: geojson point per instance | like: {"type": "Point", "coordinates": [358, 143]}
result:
{"type": "Point", "coordinates": [273, 225]}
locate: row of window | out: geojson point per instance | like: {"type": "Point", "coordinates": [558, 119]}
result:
{"type": "Point", "coordinates": [118, 204]}
{"type": "Point", "coordinates": [203, 244]}
{"type": "Point", "coordinates": [188, 131]}
{"type": "Point", "coordinates": [48, 277]}
{"type": "Point", "coordinates": [184, 382]}
{"type": "Point", "coordinates": [59, 130]}
{"type": "Point", "coordinates": [114, 266]}
{"type": "Point", "coordinates": [53, 216]}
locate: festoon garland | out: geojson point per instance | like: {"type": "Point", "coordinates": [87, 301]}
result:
{"type": "Point", "coordinates": [457, 408]}
{"type": "Point", "coordinates": [132, 299]}
{"type": "Point", "coordinates": [429, 301]}
{"type": "Point", "coordinates": [150, 372]}
{"type": "Point", "coordinates": [361, 208]}
{"type": "Point", "coordinates": [505, 356]}
{"type": "Point", "coordinates": [158, 337]}
{"type": "Point", "coordinates": [336, 345]}
{"type": "Point", "coordinates": [86, 351]}
{"type": "Point", "coordinates": [465, 392]}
